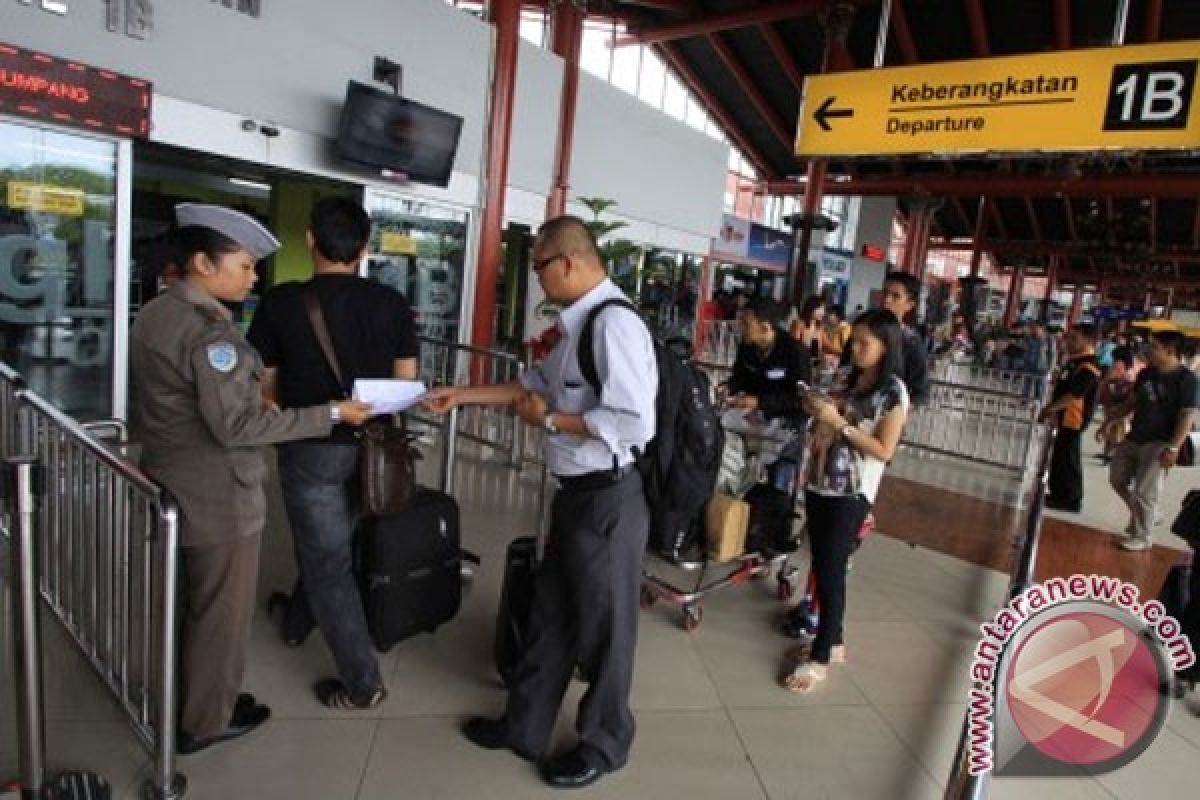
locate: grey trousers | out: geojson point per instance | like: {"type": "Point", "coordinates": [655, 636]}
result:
{"type": "Point", "coordinates": [585, 612]}
{"type": "Point", "coordinates": [219, 606]}
{"type": "Point", "coordinates": [1137, 476]}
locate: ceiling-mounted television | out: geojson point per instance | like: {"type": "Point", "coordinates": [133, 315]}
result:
{"type": "Point", "coordinates": [384, 131]}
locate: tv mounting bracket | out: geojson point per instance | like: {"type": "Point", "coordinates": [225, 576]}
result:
{"type": "Point", "coordinates": [388, 72]}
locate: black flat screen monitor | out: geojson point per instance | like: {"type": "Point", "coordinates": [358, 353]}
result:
{"type": "Point", "coordinates": [388, 132]}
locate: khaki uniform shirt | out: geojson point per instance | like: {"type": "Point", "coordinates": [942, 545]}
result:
{"type": "Point", "coordinates": [200, 415]}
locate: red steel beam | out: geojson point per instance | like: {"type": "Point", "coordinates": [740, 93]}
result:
{"type": "Point", "coordinates": [1048, 247]}
{"type": "Point", "coordinates": [962, 212]}
{"type": "Point", "coordinates": [994, 210]}
{"type": "Point", "coordinates": [675, 60]}
{"type": "Point", "coordinates": [506, 17]}
{"type": "Point", "coordinates": [1153, 223]}
{"type": "Point", "coordinates": [677, 6]}
{"type": "Point", "coordinates": [1033, 218]}
{"type": "Point", "coordinates": [750, 88]}
{"type": "Point", "coordinates": [1076, 278]}
{"type": "Point", "coordinates": [1062, 24]}
{"type": "Point", "coordinates": [779, 50]}
{"type": "Point", "coordinates": [1154, 13]}
{"type": "Point", "coordinates": [977, 24]}
{"type": "Point", "coordinates": [1196, 226]}
{"type": "Point", "coordinates": [904, 35]}
{"type": "Point", "coordinates": [789, 9]}
{"type": "Point", "coordinates": [1175, 185]}
{"type": "Point", "coordinates": [567, 42]}
{"type": "Point", "coordinates": [1070, 214]}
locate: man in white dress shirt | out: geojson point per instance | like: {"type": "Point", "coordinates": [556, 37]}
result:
{"type": "Point", "coordinates": [585, 607]}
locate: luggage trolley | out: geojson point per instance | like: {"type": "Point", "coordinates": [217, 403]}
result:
{"type": "Point", "coordinates": [760, 445]}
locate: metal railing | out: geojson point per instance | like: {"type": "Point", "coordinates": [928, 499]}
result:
{"type": "Point", "coordinates": [963, 785]}
{"type": "Point", "coordinates": [719, 340]}
{"type": "Point", "coordinates": [968, 421]}
{"type": "Point", "coordinates": [985, 426]}
{"type": "Point", "coordinates": [107, 539]}
{"type": "Point", "coordinates": [1013, 382]}
{"type": "Point", "coordinates": [448, 363]}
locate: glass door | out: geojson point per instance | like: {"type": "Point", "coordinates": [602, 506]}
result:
{"type": "Point", "coordinates": [419, 248]}
{"type": "Point", "coordinates": [59, 223]}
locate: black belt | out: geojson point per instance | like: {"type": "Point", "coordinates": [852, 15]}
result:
{"type": "Point", "coordinates": [601, 479]}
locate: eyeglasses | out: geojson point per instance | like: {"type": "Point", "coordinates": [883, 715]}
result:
{"type": "Point", "coordinates": [542, 263]}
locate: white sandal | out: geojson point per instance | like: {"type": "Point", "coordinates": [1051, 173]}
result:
{"type": "Point", "coordinates": [802, 653]}
{"type": "Point", "coordinates": [805, 677]}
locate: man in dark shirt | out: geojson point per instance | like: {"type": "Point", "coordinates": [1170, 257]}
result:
{"type": "Point", "coordinates": [769, 363]}
{"type": "Point", "coordinates": [1071, 409]}
{"type": "Point", "coordinates": [901, 293]}
{"type": "Point", "coordinates": [374, 336]}
{"type": "Point", "coordinates": [1163, 405]}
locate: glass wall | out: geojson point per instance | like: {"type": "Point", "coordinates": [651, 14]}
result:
{"type": "Point", "coordinates": [57, 251]}
{"type": "Point", "coordinates": [669, 291]}
{"type": "Point", "coordinates": [419, 248]}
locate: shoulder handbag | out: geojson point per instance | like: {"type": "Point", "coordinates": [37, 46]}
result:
{"type": "Point", "coordinates": [388, 470]}
{"type": "Point", "coordinates": [1187, 522]}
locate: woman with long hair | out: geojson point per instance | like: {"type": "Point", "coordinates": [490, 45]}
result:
{"type": "Point", "coordinates": [856, 432]}
{"type": "Point", "coordinates": [809, 328]}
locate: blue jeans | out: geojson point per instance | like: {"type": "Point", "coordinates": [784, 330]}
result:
{"type": "Point", "coordinates": [320, 491]}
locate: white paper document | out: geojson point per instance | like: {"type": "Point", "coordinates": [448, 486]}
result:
{"type": "Point", "coordinates": [388, 396]}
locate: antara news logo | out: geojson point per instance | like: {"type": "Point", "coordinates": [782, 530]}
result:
{"type": "Point", "coordinates": [1072, 677]}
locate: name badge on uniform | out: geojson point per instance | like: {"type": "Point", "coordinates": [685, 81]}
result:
{"type": "Point", "coordinates": [777, 374]}
{"type": "Point", "coordinates": [222, 356]}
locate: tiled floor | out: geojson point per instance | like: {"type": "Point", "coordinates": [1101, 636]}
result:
{"type": "Point", "coordinates": [712, 721]}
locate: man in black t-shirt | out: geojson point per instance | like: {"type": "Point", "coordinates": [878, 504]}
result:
{"type": "Point", "coordinates": [901, 294]}
{"type": "Point", "coordinates": [1071, 409]}
{"type": "Point", "coordinates": [373, 335]}
{"type": "Point", "coordinates": [1163, 405]}
{"type": "Point", "coordinates": [769, 363]}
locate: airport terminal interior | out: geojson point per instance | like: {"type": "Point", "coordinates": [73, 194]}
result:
{"type": "Point", "coordinates": [1016, 181]}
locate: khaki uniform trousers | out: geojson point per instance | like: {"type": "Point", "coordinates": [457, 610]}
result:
{"type": "Point", "coordinates": [219, 593]}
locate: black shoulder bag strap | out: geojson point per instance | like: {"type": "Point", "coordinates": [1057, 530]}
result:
{"type": "Point", "coordinates": [586, 352]}
{"type": "Point", "coordinates": [316, 318]}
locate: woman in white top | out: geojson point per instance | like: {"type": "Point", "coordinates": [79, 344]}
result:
{"type": "Point", "coordinates": [855, 435]}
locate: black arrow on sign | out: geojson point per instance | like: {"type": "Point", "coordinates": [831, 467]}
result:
{"type": "Point", "coordinates": [826, 112]}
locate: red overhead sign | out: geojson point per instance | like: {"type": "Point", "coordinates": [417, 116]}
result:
{"type": "Point", "coordinates": [39, 86]}
{"type": "Point", "coordinates": [874, 252]}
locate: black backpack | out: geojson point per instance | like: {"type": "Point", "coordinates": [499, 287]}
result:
{"type": "Point", "coordinates": [680, 465]}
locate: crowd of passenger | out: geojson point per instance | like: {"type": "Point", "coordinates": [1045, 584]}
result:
{"type": "Point", "coordinates": [209, 400]}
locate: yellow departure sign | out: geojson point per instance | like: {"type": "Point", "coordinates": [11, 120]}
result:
{"type": "Point", "coordinates": [1126, 98]}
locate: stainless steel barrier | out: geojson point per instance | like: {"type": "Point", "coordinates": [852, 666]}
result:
{"type": "Point", "coordinates": [964, 373]}
{"type": "Point", "coordinates": [962, 785]}
{"type": "Point", "coordinates": [10, 422]}
{"type": "Point", "coordinates": [108, 541]}
{"type": "Point", "coordinates": [719, 340]}
{"type": "Point", "coordinates": [985, 426]}
{"type": "Point", "coordinates": [448, 363]}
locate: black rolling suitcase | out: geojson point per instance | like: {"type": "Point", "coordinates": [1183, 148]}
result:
{"type": "Point", "coordinates": [409, 567]}
{"type": "Point", "coordinates": [516, 603]}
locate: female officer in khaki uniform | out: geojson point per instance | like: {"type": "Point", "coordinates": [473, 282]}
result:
{"type": "Point", "coordinates": [203, 422]}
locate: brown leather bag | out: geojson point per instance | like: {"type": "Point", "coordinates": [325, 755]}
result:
{"type": "Point", "coordinates": [388, 470]}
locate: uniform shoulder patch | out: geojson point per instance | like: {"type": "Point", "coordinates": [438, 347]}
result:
{"type": "Point", "coordinates": [222, 356]}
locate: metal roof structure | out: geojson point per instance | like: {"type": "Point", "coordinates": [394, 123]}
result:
{"type": "Point", "coordinates": [1129, 221]}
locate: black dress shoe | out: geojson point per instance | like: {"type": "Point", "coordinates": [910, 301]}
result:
{"type": "Point", "coordinates": [491, 734]}
{"type": "Point", "coordinates": [571, 770]}
{"type": "Point", "coordinates": [294, 627]}
{"type": "Point", "coordinates": [246, 717]}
